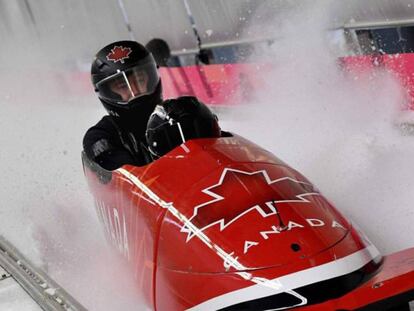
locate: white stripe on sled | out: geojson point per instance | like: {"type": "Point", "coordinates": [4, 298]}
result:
{"type": "Point", "coordinates": [289, 282]}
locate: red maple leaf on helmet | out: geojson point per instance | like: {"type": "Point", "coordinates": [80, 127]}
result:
{"type": "Point", "coordinates": [118, 54]}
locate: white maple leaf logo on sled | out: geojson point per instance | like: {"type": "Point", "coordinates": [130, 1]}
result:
{"type": "Point", "coordinates": [259, 190]}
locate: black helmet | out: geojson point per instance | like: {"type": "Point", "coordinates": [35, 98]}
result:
{"type": "Point", "coordinates": [126, 79]}
{"type": "Point", "coordinates": [178, 120]}
{"type": "Point", "coordinates": [160, 50]}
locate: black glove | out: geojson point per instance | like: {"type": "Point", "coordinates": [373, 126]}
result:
{"type": "Point", "coordinates": [177, 120]}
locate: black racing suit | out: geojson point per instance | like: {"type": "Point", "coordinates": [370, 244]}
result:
{"type": "Point", "coordinates": [111, 145]}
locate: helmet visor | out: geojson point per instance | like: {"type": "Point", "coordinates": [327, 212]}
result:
{"type": "Point", "coordinates": [129, 84]}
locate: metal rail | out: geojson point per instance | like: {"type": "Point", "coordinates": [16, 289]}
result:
{"type": "Point", "coordinates": [44, 291]}
{"type": "Point", "coordinates": [379, 24]}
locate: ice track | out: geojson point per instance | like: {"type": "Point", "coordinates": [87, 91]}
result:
{"type": "Point", "coordinates": [40, 291]}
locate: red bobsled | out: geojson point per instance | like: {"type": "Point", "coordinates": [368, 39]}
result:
{"type": "Point", "coordinates": [222, 224]}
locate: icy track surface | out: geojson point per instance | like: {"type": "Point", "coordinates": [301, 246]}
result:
{"type": "Point", "coordinates": [337, 129]}
{"type": "Point", "coordinates": [47, 212]}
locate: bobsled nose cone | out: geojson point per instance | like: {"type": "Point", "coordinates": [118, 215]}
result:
{"type": "Point", "coordinates": [283, 287]}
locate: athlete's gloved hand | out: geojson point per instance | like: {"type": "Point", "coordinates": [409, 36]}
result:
{"type": "Point", "coordinates": [178, 120]}
{"type": "Point", "coordinates": [184, 106]}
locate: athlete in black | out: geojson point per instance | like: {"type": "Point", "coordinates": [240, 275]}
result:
{"type": "Point", "coordinates": [126, 80]}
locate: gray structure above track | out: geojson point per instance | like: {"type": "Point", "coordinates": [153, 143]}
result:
{"type": "Point", "coordinates": [219, 22]}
